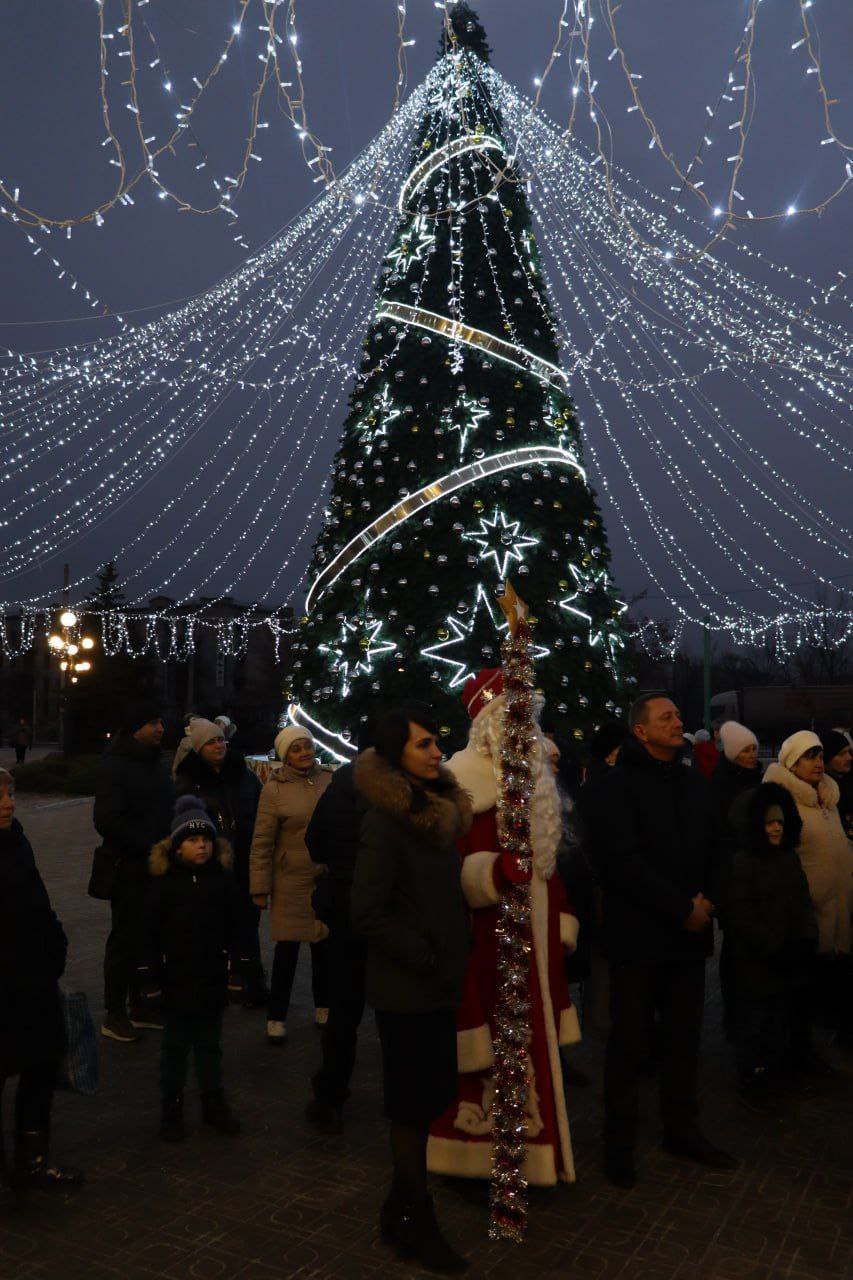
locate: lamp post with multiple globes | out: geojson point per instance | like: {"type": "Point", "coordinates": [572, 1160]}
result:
{"type": "Point", "coordinates": [72, 649]}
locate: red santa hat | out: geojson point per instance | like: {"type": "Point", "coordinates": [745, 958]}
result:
{"type": "Point", "coordinates": [482, 690]}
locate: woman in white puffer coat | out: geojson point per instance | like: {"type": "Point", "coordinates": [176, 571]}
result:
{"type": "Point", "coordinates": [824, 849]}
{"type": "Point", "coordinates": [827, 859]}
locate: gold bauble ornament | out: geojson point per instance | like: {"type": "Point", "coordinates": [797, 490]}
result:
{"type": "Point", "coordinates": [478, 505]}
{"type": "Point", "coordinates": [443, 633]}
{"type": "Point", "coordinates": [364, 643]}
{"type": "Point", "coordinates": [444, 731]}
{"type": "Point", "coordinates": [563, 584]}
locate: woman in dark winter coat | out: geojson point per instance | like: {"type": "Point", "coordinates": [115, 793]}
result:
{"type": "Point", "coordinates": [219, 776]}
{"type": "Point", "coordinates": [407, 903]}
{"type": "Point", "coordinates": [737, 768]}
{"type": "Point", "coordinates": [773, 935]}
{"type": "Point", "coordinates": [190, 920]}
{"type": "Point", "coordinates": [737, 771]}
{"type": "Point", "coordinates": [32, 1034]}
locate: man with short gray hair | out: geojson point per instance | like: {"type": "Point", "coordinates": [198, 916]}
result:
{"type": "Point", "coordinates": [656, 844]}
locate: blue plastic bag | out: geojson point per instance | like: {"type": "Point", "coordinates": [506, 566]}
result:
{"type": "Point", "coordinates": [79, 1071]}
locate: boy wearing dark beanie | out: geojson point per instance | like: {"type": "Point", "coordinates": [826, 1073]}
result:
{"type": "Point", "coordinates": [189, 928]}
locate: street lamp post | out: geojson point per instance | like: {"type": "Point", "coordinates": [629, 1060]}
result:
{"type": "Point", "coordinates": [72, 649]}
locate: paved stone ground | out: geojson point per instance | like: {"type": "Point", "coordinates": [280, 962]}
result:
{"type": "Point", "coordinates": [280, 1201]}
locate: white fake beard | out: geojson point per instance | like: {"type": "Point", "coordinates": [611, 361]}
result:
{"type": "Point", "coordinates": [546, 810]}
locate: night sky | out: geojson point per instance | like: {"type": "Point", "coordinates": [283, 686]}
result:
{"type": "Point", "coordinates": [148, 256]}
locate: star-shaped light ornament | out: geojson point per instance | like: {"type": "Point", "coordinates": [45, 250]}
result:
{"type": "Point", "coordinates": [376, 420]}
{"type": "Point", "coordinates": [414, 244]}
{"type": "Point", "coordinates": [465, 418]}
{"type": "Point", "coordinates": [500, 539]}
{"type": "Point", "coordinates": [451, 649]}
{"type": "Point", "coordinates": [590, 583]}
{"type": "Point", "coordinates": [356, 649]}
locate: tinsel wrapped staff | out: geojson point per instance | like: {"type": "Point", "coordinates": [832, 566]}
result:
{"type": "Point", "coordinates": [508, 1198]}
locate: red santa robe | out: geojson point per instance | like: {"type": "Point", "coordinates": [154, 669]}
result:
{"type": "Point", "coordinates": [460, 1140]}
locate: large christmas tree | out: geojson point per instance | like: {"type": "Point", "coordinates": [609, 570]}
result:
{"type": "Point", "coordinates": [460, 461]}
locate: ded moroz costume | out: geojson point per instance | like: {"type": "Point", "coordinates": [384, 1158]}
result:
{"type": "Point", "coordinates": [460, 1140]}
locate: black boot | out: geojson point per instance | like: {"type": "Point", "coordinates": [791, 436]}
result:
{"type": "Point", "coordinates": [325, 1117]}
{"type": "Point", "coordinates": [33, 1167]}
{"type": "Point", "coordinates": [420, 1236]}
{"type": "Point", "coordinates": [172, 1127]}
{"type": "Point", "coordinates": [257, 993]}
{"type": "Point", "coordinates": [215, 1111]}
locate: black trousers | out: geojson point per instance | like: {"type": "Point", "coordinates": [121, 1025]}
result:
{"type": "Point", "coordinates": [33, 1098]}
{"type": "Point", "coordinates": [346, 962]}
{"type": "Point", "coordinates": [284, 964]}
{"type": "Point", "coordinates": [20, 755]}
{"type": "Point", "coordinates": [200, 1033]}
{"type": "Point", "coordinates": [121, 956]}
{"type": "Point", "coordinates": [676, 993]}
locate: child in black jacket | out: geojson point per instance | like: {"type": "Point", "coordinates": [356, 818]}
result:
{"type": "Point", "coordinates": [190, 924]}
{"type": "Point", "coordinates": [774, 932]}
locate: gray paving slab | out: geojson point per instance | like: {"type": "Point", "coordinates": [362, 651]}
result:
{"type": "Point", "coordinates": [280, 1202]}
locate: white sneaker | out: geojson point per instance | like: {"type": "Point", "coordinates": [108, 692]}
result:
{"type": "Point", "coordinates": [321, 1017]}
{"type": "Point", "coordinates": [276, 1032]}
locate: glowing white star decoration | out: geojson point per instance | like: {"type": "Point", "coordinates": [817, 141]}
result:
{"type": "Point", "coordinates": [465, 417]}
{"type": "Point", "coordinates": [587, 583]}
{"type": "Point", "coordinates": [459, 634]}
{"type": "Point", "coordinates": [378, 418]}
{"type": "Point", "coordinates": [356, 649]}
{"type": "Point", "coordinates": [501, 539]}
{"type": "Point", "coordinates": [414, 244]}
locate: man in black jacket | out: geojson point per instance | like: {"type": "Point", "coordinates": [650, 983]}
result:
{"type": "Point", "coordinates": [332, 839]}
{"type": "Point", "coordinates": [655, 841]}
{"type": "Point", "coordinates": [133, 806]}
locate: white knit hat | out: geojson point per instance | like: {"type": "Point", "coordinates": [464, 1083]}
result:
{"type": "Point", "coordinates": [202, 731]}
{"type": "Point", "coordinates": [735, 738]}
{"type": "Point", "coordinates": [227, 726]}
{"type": "Point", "coordinates": [286, 737]}
{"type": "Point", "coordinates": [793, 748]}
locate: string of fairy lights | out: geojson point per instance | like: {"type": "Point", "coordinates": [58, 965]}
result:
{"type": "Point", "coordinates": [662, 346]}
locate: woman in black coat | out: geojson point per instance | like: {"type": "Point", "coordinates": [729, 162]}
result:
{"type": "Point", "coordinates": [773, 934]}
{"type": "Point", "coordinates": [32, 1034]}
{"type": "Point", "coordinates": [219, 776]}
{"type": "Point", "coordinates": [407, 904]}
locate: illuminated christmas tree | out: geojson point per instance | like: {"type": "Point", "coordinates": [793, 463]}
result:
{"type": "Point", "coordinates": [460, 461]}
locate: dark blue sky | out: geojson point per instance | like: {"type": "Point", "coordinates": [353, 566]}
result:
{"type": "Point", "coordinates": [149, 255]}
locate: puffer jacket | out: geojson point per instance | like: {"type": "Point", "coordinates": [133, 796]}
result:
{"type": "Point", "coordinates": [280, 864]}
{"type": "Point", "coordinates": [771, 922]}
{"type": "Point", "coordinates": [407, 900]}
{"type": "Point", "coordinates": [189, 928]}
{"type": "Point", "coordinates": [825, 854]}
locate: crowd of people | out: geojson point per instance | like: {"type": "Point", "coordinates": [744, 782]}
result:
{"type": "Point", "coordinates": [391, 869]}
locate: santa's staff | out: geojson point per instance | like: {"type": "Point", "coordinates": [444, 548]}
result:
{"type": "Point", "coordinates": [508, 1199]}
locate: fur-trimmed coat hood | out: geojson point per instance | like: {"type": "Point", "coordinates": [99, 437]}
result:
{"type": "Point", "coordinates": [189, 926]}
{"type": "Point", "coordinates": [825, 853]}
{"type": "Point", "coordinates": [440, 811]}
{"type": "Point", "coordinates": [407, 898]}
{"type": "Point", "coordinates": [161, 859]}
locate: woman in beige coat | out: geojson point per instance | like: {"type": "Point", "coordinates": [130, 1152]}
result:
{"type": "Point", "coordinates": [282, 874]}
{"type": "Point", "coordinates": [827, 859]}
